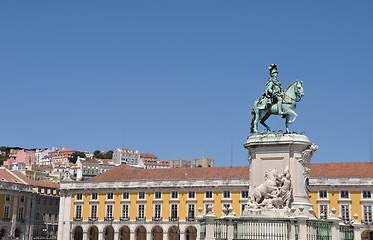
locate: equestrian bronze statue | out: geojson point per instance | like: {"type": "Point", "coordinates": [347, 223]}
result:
{"type": "Point", "coordinates": [276, 101]}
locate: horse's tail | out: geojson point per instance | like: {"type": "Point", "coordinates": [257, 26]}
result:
{"type": "Point", "coordinates": [252, 120]}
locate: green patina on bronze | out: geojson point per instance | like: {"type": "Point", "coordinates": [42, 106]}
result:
{"type": "Point", "coordinates": [276, 101]}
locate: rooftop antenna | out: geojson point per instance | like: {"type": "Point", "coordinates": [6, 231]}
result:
{"type": "Point", "coordinates": [123, 138]}
{"type": "Point", "coordinates": [370, 145]}
{"type": "Point", "coordinates": [231, 153]}
{"type": "Point", "coordinates": [224, 156]}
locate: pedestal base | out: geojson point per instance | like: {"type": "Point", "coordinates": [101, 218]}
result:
{"type": "Point", "coordinates": [282, 151]}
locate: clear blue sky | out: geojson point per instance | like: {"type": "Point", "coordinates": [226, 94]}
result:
{"type": "Point", "coordinates": [178, 78]}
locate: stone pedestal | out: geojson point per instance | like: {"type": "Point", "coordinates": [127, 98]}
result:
{"type": "Point", "coordinates": [280, 151]}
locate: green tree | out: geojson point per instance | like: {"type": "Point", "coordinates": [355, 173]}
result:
{"type": "Point", "coordinates": [109, 154]}
{"type": "Point", "coordinates": [75, 155]}
{"type": "Point", "coordinates": [97, 154]}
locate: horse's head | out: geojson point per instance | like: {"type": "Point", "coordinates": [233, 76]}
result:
{"type": "Point", "coordinates": [295, 91]}
{"type": "Point", "coordinates": [272, 174]}
{"type": "Point", "coordinates": [299, 89]}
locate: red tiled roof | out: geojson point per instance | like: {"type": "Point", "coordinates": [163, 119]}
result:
{"type": "Point", "coordinates": [124, 172]}
{"type": "Point", "coordinates": [39, 183]}
{"type": "Point", "coordinates": [105, 161]}
{"type": "Point", "coordinates": [345, 169]}
{"type": "Point", "coordinates": [148, 155]}
{"type": "Point", "coordinates": [9, 176]}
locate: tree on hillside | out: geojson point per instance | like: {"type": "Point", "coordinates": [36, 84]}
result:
{"type": "Point", "coordinates": [75, 156]}
{"type": "Point", "coordinates": [103, 155]}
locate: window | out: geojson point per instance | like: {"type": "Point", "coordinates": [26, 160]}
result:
{"type": "Point", "coordinates": [50, 202]}
{"type": "Point", "coordinates": [109, 212]}
{"type": "Point", "coordinates": [323, 211]}
{"type": "Point", "coordinates": [125, 212]}
{"type": "Point", "coordinates": [78, 212]}
{"type": "Point", "coordinates": [323, 194]}
{"type": "Point", "coordinates": [22, 199]}
{"type": "Point", "coordinates": [245, 194]}
{"type": "Point", "coordinates": [158, 195]}
{"type": "Point", "coordinates": [191, 211]}
{"type": "Point", "coordinates": [345, 212]}
{"type": "Point", "coordinates": [141, 212]}
{"type": "Point", "coordinates": [207, 208]}
{"type": "Point", "coordinates": [344, 194]}
{"type": "Point", "coordinates": [367, 194]}
{"type": "Point", "coordinates": [243, 208]}
{"type": "Point", "coordinates": [20, 213]}
{"type": "Point", "coordinates": [208, 194]}
{"type": "Point", "coordinates": [226, 194]}
{"type": "Point", "coordinates": [367, 212]}
{"type": "Point", "coordinates": [157, 212]}
{"type": "Point", "coordinates": [7, 197]}
{"type": "Point", "coordinates": [6, 212]}
{"type": "Point", "coordinates": [94, 211]}
{"type": "Point", "coordinates": [37, 216]}
{"type": "Point", "coordinates": [174, 194]}
{"type": "Point", "coordinates": [38, 200]}
{"type": "Point", "coordinates": [50, 216]}
{"type": "Point", "coordinates": [94, 196]}
{"type": "Point", "coordinates": [110, 196]}
{"type": "Point", "coordinates": [126, 195]}
{"type": "Point", "coordinates": [192, 194]}
{"type": "Point", "coordinates": [141, 195]}
{"type": "Point", "coordinates": [173, 211]}
{"type": "Point", "coordinates": [226, 207]}
{"type": "Point", "coordinates": [56, 217]}
{"type": "Point", "coordinates": [79, 196]}
{"type": "Point", "coordinates": [44, 201]}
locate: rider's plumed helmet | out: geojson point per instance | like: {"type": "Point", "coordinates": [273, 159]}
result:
{"type": "Point", "coordinates": [272, 69]}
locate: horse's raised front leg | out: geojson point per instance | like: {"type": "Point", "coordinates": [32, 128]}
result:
{"type": "Point", "coordinates": [291, 112]}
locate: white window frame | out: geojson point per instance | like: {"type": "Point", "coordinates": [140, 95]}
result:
{"type": "Point", "coordinates": [142, 195]}
{"type": "Point", "coordinates": [79, 197]}
{"type": "Point", "coordinates": [321, 194]}
{"type": "Point", "coordinates": [78, 215]}
{"type": "Point", "coordinates": [367, 215]}
{"type": "Point", "coordinates": [191, 195]}
{"type": "Point", "coordinates": [174, 195]}
{"type": "Point", "coordinates": [109, 211]}
{"type": "Point", "coordinates": [110, 196]}
{"type": "Point", "coordinates": [21, 211]}
{"type": "Point", "coordinates": [125, 211]}
{"type": "Point", "coordinates": [191, 207]}
{"type": "Point", "coordinates": [156, 195]}
{"type": "Point", "coordinates": [141, 211]}
{"type": "Point", "coordinates": [94, 196]}
{"type": "Point", "coordinates": [157, 212]}
{"type": "Point", "coordinates": [207, 193]}
{"type": "Point", "coordinates": [6, 214]}
{"type": "Point", "coordinates": [126, 195]}
{"type": "Point", "coordinates": [244, 194]}
{"type": "Point", "coordinates": [344, 191]}
{"type": "Point", "coordinates": [325, 212]}
{"type": "Point", "coordinates": [226, 194]}
{"type": "Point", "coordinates": [368, 192]}
{"type": "Point", "coordinates": [345, 217]}
{"type": "Point", "coordinates": [91, 212]}
{"type": "Point", "coordinates": [172, 212]}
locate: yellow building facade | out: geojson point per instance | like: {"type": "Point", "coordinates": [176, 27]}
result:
{"type": "Point", "coordinates": [156, 204]}
{"type": "Point", "coordinates": [129, 203]}
{"type": "Point", "coordinates": [28, 209]}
